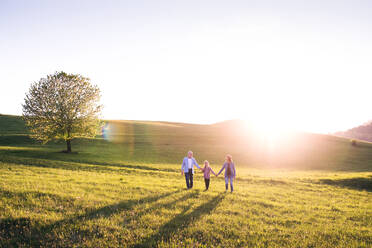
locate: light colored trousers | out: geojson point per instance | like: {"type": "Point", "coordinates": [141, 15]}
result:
{"type": "Point", "coordinates": [231, 182]}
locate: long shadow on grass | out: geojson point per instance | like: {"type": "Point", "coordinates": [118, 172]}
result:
{"type": "Point", "coordinates": [76, 166]}
{"type": "Point", "coordinates": [179, 222]}
{"type": "Point", "coordinates": [109, 210]}
{"type": "Point", "coordinates": [358, 183]}
{"type": "Point", "coordinates": [26, 195]}
{"type": "Point", "coordinates": [15, 139]}
{"type": "Point", "coordinates": [165, 205]}
{"type": "Point", "coordinates": [38, 159]}
{"type": "Point", "coordinates": [57, 164]}
{"type": "Point", "coordinates": [15, 232]}
{"type": "Point", "coordinates": [45, 236]}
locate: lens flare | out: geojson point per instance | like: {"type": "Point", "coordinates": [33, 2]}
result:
{"type": "Point", "coordinates": [112, 132]}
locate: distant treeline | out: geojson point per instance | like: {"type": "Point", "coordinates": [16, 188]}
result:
{"type": "Point", "coordinates": [363, 132]}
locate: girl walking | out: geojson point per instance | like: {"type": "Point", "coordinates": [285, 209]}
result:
{"type": "Point", "coordinates": [207, 174]}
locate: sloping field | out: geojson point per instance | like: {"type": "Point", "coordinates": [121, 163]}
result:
{"type": "Point", "coordinates": [125, 189]}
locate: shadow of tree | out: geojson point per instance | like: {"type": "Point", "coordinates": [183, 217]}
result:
{"type": "Point", "coordinates": [358, 183]}
{"type": "Point", "coordinates": [180, 222]}
{"type": "Point", "coordinates": [70, 164]}
{"type": "Point", "coordinates": [16, 139]}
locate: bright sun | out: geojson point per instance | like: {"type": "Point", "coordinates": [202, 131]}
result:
{"type": "Point", "coordinates": [273, 132]}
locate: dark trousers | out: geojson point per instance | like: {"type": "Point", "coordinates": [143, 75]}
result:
{"type": "Point", "coordinates": [189, 179]}
{"type": "Point", "coordinates": [207, 183]}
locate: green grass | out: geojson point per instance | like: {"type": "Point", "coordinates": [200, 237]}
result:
{"type": "Point", "coordinates": [314, 191]}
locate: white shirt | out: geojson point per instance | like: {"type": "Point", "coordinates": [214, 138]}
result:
{"type": "Point", "coordinates": [189, 163]}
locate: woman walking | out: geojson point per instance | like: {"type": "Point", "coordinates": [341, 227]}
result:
{"type": "Point", "coordinates": [230, 172]}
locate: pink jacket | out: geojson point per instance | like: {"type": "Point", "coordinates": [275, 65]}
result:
{"type": "Point", "coordinates": [207, 172]}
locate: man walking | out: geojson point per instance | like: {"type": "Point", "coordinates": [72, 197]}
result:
{"type": "Point", "coordinates": [188, 168]}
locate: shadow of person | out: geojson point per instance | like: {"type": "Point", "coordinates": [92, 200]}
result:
{"type": "Point", "coordinates": [179, 222]}
{"type": "Point", "coordinates": [15, 232]}
{"type": "Point", "coordinates": [45, 235]}
{"type": "Point", "coordinates": [162, 205]}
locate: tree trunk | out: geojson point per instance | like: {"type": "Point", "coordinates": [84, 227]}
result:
{"type": "Point", "coordinates": [68, 142]}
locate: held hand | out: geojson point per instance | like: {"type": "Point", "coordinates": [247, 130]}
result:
{"type": "Point", "coordinates": [182, 172]}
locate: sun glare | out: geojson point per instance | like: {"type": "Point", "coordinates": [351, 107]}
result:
{"type": "Point", "coordinates": [273, 133]}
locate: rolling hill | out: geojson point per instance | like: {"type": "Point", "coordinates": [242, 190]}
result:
{"type": "Point", "coordinates": [125, 189]}
{"type": "Point", "coordinates": [362, 132]}
{"type": "Point", "coordinates": [164, 142]}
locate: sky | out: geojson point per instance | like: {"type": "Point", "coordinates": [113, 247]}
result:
{"type": "Point", "coordinates": [295, 64]}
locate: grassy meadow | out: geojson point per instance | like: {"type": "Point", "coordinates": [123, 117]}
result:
{"type": "Point", "coordinates": [125, 189]}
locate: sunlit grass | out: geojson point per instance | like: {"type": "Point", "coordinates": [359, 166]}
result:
{"type": "Point", "coordinates": [133, 195]}
{"type": "Point", "coordinates": [65, 207]}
